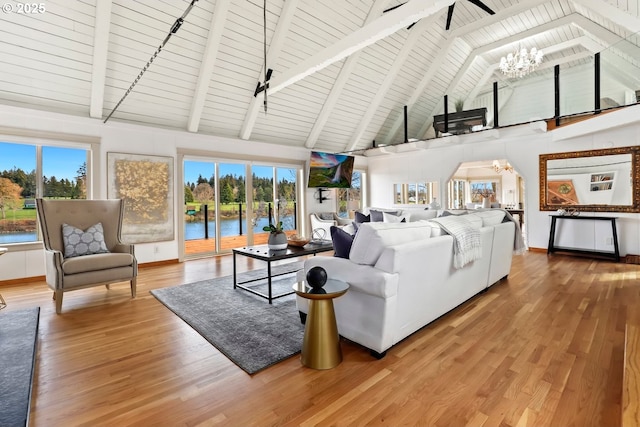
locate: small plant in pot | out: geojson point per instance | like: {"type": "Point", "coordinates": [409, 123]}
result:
{"type": "Point", "coordinates": [277, 237]}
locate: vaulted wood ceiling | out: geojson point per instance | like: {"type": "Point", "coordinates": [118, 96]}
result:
{"type": "Point", "coordinates": [342, 70]}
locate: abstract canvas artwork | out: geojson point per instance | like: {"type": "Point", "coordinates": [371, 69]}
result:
{"type": "Point", "coordinates": [146, 185]}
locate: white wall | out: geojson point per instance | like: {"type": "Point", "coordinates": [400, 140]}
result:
{"type": "Point", "coordinates": [521, 146]}
{"type": "Point", "coordinates": [126, 138]}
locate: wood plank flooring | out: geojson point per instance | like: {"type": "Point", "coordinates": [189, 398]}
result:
{"type": "Point", "coordinates": [543, 348]}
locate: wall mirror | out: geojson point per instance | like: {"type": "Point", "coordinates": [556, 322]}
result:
{"type": "Point", "coordinates": [606, 180]}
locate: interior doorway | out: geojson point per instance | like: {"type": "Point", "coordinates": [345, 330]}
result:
{"type": "Point", "coordinates": [489, 183]}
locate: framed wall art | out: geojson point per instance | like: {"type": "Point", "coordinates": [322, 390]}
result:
{"type": "Point", "coordinates": [146, 185]}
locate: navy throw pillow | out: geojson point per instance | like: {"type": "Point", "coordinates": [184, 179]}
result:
{"type": "Point", "coordinates": [376, 216]}
{"type": "Point", "coordinates": [342, 242]}
{"type": "Point", "coordinates": [360, 218]}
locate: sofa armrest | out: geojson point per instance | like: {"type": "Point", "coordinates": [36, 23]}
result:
{"type": "Point", "coordinates": [123, 248]}
{"type": "Point", "coordinates": [364, 278]}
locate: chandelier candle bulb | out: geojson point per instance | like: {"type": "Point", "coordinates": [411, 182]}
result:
{"type": "Point", "coordinates": [520, 63]}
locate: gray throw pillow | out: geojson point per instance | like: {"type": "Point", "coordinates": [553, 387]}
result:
{"type": "Point", "coordinates": [78, 242]}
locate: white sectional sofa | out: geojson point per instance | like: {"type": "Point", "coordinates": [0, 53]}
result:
{"type": "Point", "coordinates": [402, 275]}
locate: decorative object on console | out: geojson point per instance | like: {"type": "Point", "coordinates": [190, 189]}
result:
{"type": "Point", "coordinates": [316, 277]}
{"type": "Point", "coordinates": [521, 62]}
{"type": "Point", "coordinates": [298, 240]}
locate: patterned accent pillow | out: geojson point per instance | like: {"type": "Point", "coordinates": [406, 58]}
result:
{"type": "Point", "coordinates": [78, 242]}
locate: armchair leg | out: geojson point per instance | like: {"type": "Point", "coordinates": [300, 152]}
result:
{"type": "Point", "coordinates": [108, 286]}
{"type": "Point", "coordinates": [57, 296]}
{"type": "Point", "coordinates": [133, 287]}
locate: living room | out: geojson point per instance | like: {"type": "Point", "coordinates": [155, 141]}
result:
{"type": "Point", "coordinates": [546, 387]}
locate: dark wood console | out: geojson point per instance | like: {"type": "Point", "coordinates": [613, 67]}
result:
{"type": "Point", "coordinates": [615, 255]}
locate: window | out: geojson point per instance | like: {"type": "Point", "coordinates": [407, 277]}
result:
{"type": "Point", "coordinates": [482, 189]}
{"type": "Point", "coordinates": [28, 171]}
{"type": "Point", "coordinates": [350, 199]}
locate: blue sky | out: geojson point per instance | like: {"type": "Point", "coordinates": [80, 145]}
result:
{"type": "Point", "coordinates": [57, 161]}
{"type": "Point", "coordinates": [192, 169]}
{"type": "Point", "coordinates": [64, 162]}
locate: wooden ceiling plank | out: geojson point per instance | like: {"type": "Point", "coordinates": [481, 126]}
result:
{"type": "Point", "coordinates": [345, 73]}
{"type": "Point", "coordinates": [275, 49]}
{"type": "Point", "coordinates": [369, 34]}
{"type": "Point", "coordinates": [216, 29]}
{"type": "Point", "coordinates": [414, 36]}
{"type": "Point", "coordinates": [100, 52]}
{"type": "Point", "coordinates": [629, 22]}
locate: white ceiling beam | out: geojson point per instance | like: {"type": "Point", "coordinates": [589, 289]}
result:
{"type": "Point", "coordinates": [275, 48]}
{"type": "Point", "coordinates": [343, 76]}
{"type": "Point", "coordinates": [391, 75]}
{"type": "Point", "coordinates": [100, 52]}
{"type": "Point", "coordinates": [502, 14]}
{"type": "Point", "coordinates": [208, 63]}
{"type": "Point", "coordinates": [612, 13]}
{"type": "Point", "coordinates": [384, 26]}
{"type": "Point", "coordinates": [421, 87]}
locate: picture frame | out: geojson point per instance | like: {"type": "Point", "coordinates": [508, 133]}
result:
{"type": "Point", "coordinates": [145, 183]}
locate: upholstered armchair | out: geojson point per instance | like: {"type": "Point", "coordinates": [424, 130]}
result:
{"type": "Point", "coordinates": [321, 223]}
{"type": "Point", "coordinates": [82, 245]}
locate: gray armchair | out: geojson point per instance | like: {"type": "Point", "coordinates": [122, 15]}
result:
{"type": "Point", "coordinates": [112, 262]}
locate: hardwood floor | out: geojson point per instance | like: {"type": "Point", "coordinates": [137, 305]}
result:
{"type": "Point", "coordinates": [543, 348]}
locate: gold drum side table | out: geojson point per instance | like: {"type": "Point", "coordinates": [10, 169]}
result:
{"type": "Point", "coordinates": [321, 345]}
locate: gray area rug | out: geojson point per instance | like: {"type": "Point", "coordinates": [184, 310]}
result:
{"type": "Point", "coordinates": [244, 327]}
{"type": "Point", "coordinates": [18, 335]}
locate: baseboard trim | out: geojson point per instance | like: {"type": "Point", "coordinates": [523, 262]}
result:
{"type": "Point", "coordinates": [159, 263]}
{"type": "Point", "coordinates": [25, 280]}
{"type": "Point", "coordinates": [539, 250]}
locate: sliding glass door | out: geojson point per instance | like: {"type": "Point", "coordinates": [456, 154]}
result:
{"type": "Point", "coordinates": [223, 210]}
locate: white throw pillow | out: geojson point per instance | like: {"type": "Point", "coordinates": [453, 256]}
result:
{"type": "Point", "coordinates": [387, 217]}
{"type": "Point", "coordinates": [373, 237]}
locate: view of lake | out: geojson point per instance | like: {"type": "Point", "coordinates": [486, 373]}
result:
{"type": "Point", "coordinates": [192, 230]}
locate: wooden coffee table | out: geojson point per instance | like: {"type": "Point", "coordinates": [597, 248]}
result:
{"type": "Point", "coordinates": [263, 253]}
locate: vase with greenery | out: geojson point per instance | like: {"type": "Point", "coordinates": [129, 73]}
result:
{"type": "Point", "coordinates": [277, 237]}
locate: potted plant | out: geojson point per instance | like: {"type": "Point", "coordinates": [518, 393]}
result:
{"type": "Point", "coordinates": [277, 237]}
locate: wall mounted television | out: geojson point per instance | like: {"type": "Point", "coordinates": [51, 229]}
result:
{"type": "Point", "coordinates": [328, 170]}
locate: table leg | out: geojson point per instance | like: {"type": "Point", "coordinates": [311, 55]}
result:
{"type": "Point", "coordinates": [615, 239]}
{"type": "Point", "coordinates": [321, 345]}
{"type": "Point", "coordinates": [269, 281]}
{"type": "Point", "coordinates": [552, 235]}
{"type": "Point", "coordinates": [235, 277]}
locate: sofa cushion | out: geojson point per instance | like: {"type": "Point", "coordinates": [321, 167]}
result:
{"type": "Point", "coordinates": [375, 216]}
{"type": "Point", "coordinates": [96, 262]}
{"type": "Point", "coordinates": [419, 214]}
{"type": "Point", "coordinates": [387, 217]}
{"type": "Point", "coordinates": [490, 217]}
{"type": "Point", "coordinates": [342, 242]}
{"type": "Point", "coordinates": [373, 237]}
{"type": "Point", "coordinates": [79, 243]}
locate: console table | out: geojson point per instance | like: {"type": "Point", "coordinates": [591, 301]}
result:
{"type": "Point", "coordinates": [615, 255]}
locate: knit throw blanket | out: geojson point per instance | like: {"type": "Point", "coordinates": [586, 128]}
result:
{"type": "Point", "coordinates": [466, 239]}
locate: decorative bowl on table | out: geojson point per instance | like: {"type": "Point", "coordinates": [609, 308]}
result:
{"type": "Point", "coordinates": [297, 240]}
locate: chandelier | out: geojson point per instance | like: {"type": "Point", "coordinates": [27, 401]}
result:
{"type": "Point", "coordinates": [520, 63]}
{"type": "Point", "coordinates": [499, 168]}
